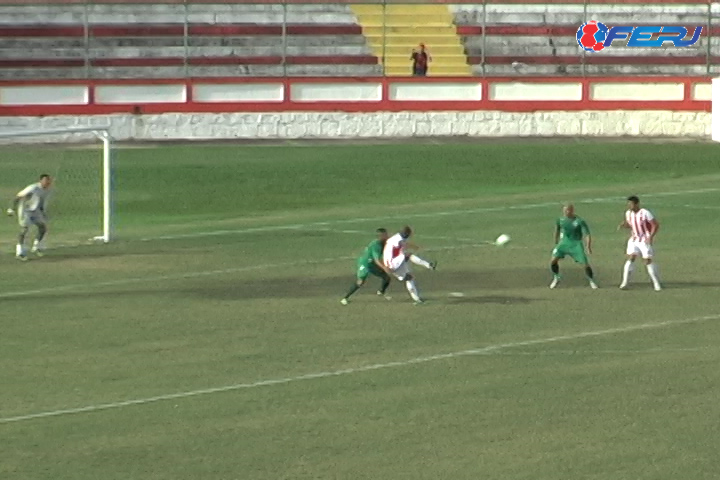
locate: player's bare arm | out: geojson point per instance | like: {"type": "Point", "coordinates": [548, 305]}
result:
{"type": "Point", "coordinates": [588, 243]}
{"type": "Point", "coordinates": [382, 266]}
{"type": "Point", "coordinates": [14, 206]}
{"type": "Point", "coordinates": [556, 237]}
{"type": "Point", "coordinates": [623, 224]}
{"type": "Point", "coordinates": [654, 227]}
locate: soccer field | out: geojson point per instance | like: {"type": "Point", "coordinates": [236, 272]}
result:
{"type": "Point", "coordinates": [208, 342]}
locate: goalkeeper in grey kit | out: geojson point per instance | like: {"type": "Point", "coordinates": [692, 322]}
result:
{"type": "Point", "coordinates": [29, 206]}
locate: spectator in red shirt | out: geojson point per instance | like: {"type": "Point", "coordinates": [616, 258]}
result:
{"type": "Point", "coordinates": [420, 59]}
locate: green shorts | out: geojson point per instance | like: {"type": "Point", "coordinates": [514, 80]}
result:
{"type": "Point", "coordinates": [364, 270]}
{"type": "Point", "coordinates": [574, 250]}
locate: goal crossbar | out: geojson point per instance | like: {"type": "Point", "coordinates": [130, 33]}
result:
{"type": "Point", "coordinates": [102, 133]}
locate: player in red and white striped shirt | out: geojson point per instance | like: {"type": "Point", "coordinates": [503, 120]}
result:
{"type": "Point", "coordinates": [398, 260]}
{"type": "Point", "coordinates": [644, 227]}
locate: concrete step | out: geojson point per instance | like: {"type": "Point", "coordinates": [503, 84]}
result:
{"type": "Point", "coordinates": [576, 70]}
{"type": "Point", "coordinates": [408, 30]}
{"type": "Point", "coordinates": [163, 52]}
{"type": "Point", "coordinates": [438, 51]}
{"type": "Point", "coordinates": [414, 40]}
{"type": "Point", "coordinates": [402, 9]}
{"type": "Point", "coordinates": [409, 22]}
{"type": "Point", "coordinates": [433, 71]}
{"type": "Point", "coordinates": [199, 71]}
{"type": "Point", "coordinates": [444, 58]}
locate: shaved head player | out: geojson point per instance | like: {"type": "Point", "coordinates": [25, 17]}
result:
{"type": "Point", "coordinates": [569, 232]}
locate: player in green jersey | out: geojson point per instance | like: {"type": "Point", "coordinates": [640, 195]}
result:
{"type": "Point", "coordinates": [569, 232]}
{"type": "Point", "coordinates": [371, 262]}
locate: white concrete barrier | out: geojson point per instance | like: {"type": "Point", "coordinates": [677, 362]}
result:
{"type": "Point", "coordinates": [289, 125]}
{"type": "Point", "coordinates": [45, 95]}
{"type": "Point", "coordinates": [527, 91]}
{"type": "Point", "coordinates": [436, 91]}
{"type": "Point", "coordinates": [152, 93]}
{"type": "Point", "coordinates": [238, 92]}
{"type": "Point", "coordinates": [336, 92]}
{"type": "Point", "coordinates": [661, 91]}
{"type": "Point", "coordinates": [715, 124]}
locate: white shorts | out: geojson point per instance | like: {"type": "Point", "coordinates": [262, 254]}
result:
{"type": "Point", "coordinates": [27, 219]}
{"type": "Point", "coordinates": [639, 248]}
{"type": "Point", "coordinates": [399, 267]}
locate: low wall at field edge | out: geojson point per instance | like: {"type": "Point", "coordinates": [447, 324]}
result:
{"type": "Point", "coordinates": [328, 125]}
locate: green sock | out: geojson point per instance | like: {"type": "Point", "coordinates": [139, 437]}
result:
{"type": "Point", "coordinates": [555, 269]}
{"type": "Point", "coordinates": [589, 273]}
{"type": "Point", "coordinates": [352, 290]}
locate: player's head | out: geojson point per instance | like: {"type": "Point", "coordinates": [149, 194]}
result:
{"type": "Point", "coordinates": [45, 180]}
{"type": "Point", "coordinates": [569, 210]}
{"type": "Point", "coordinates": [633, 203]}
{"type": "Point", "coordinates": [382, 234]}
{"type": "Point", "coordinates": [405, 232]}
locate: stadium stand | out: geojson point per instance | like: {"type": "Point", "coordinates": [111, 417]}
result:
{"type": "Point", "coordinates": [503, 39]}
{"type": "Point", "coordinates": [146, 41]}
{"type": "Point", "coordinates": [515, 37]}
{"type": "Point", "coordinates": [394, 30]}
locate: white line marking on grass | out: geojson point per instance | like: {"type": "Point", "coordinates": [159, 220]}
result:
{"type": "Point", "coordinates": [207, 273]}
{"type": "Point", "coordinates": [698, 207]}
{"type": "Point", "coordinates": [299, 226]}
{"type": "Point", "coordinates": [349, 371]}
{"type": "Point", "coordinates": [530, 353]}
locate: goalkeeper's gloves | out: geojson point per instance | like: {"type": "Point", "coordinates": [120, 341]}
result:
{"type": "Point", "coordinates": [10, 212]}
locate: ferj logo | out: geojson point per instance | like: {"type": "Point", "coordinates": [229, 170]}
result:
{"type": "Point", "coordinates": [594, 36]}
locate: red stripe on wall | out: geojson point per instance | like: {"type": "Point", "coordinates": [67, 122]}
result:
{"type": "Point", "coordinates": [42, 63]}
{"type": "Point", "coordinates": [274, 2]}
{"type": "Point", "coordinates": [179, 61]}
{"type": "Point", "coordinates": [177, 30]}
{"type": "Point", "coordinates": [42, 31]}
{"type": "Point", "coordinates": [149, 30]}
{"type": "Point", "coordinates": [547, 30]}
{"type": "Point", "coordinates": [687, 104]}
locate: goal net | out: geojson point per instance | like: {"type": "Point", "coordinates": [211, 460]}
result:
{"type": "Point", "coordinates": [80, 162]}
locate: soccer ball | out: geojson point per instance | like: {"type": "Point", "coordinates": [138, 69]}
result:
{"type": "Point", "coordinates": [502, 240]}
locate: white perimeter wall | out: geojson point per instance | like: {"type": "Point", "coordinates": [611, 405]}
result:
{"type": "Point", "coordinates": [369, 125]}
{"type": "Point", "coordinates": [376, 124]}
{"type": "Point", "coordinates": [351, 91]}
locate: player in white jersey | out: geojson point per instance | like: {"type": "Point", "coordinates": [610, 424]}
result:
{"type": "Point", "coordinates": [398, 259]}
{"type": "Point", "coordinates": [29, 204]}
{"type": "Point", "coordinates": [643, 227]}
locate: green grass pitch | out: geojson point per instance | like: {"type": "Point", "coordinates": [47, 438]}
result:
{"type": "Point", "coordinates": [224, 288]}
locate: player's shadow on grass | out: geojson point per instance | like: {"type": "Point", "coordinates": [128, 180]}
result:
{"type": "Point", "coordinates": [503, 286]}
{"type": "Point", "coordinates": [484, 279]}
{"type": "Point", "coordinates": [433, 284]}
{"type": "Point", "coordinates": [681, 285]}
{"type": "Point", "coordinates": [98, 252]}
{"type": "Point", "coordinates": [491, 299]}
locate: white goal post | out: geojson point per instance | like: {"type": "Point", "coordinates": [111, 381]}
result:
{"type": "Point", "coordinates": [101, 133]}
{"type": "Point", "coordinates": [715, 114]}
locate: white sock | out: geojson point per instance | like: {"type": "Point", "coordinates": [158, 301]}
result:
{"type": "Point", "coordinates": [20, 250]}
{"type": "Point", "coordinates": [627, 270]}
{"type": "Point", "coordinates": [419, 261]}
{"type": "Point", "coordinates": [410, 285]}
{"type": "Point", "coordinates": [38, 246]}
{"type": "Point", "coordinates": [653, 272]}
